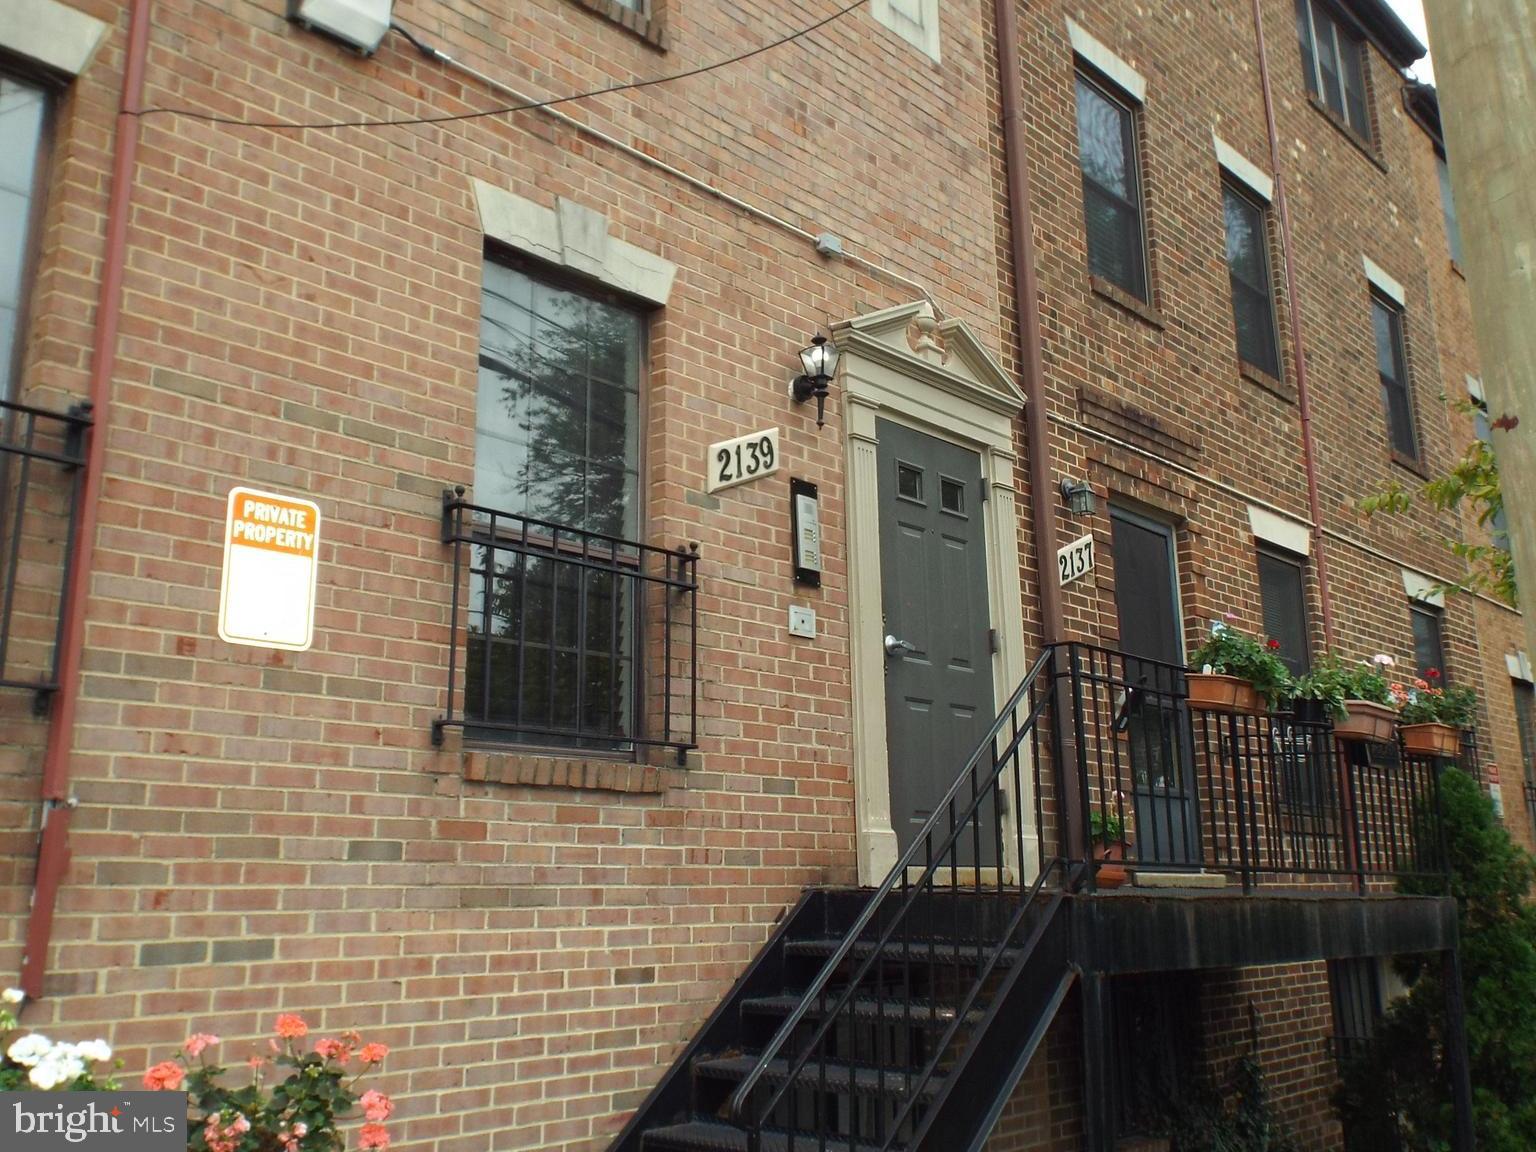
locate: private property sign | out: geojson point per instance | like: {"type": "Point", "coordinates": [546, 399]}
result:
{"type": "Point", "coordinates": [271, 553]}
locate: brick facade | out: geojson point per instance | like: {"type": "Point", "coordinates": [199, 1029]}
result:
{"type": "Point", "coordinates": [536, 935]}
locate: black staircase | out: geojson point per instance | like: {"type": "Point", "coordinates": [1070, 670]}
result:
{"type": "Point", "coordinates": [897, 1020]}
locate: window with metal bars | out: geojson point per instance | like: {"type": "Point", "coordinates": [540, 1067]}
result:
{"type": "Point", "coordinates": [1392, 368]}
{"type": "Point", "coordinates": [1112, 201]}
{"type": "Point", "coordinates": [1355, 988]}
{"type": "Point", "coordinates": [1333, 64]}
{"type": "Point", "coordinates": [1253, 303]}
{"type": "Point", "coordinates": [1155, 1025]}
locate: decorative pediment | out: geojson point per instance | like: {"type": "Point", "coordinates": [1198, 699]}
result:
{"type": "Point", "coordinates": [946, 354]}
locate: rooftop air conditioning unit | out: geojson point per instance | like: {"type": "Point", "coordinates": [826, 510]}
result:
{"type": "Point", "coordinates": [359, 24]}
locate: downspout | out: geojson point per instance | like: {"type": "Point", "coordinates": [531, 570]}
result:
{"type": "Point", "coordinates": [1298, 345]}
{"type": "Point", "coordinates": [1026, 298]}
{"type": "Point", "coordinates": [57, 804]}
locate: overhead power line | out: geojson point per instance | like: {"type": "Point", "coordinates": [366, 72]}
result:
{"type": "Point", "coordinates": [435, 54]}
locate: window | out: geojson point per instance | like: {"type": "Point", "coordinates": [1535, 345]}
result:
{"type": "Point", "coordinates": [1525, 723]}
{"type": "Point", "coordinates": [23, 120]}
{"type": "Point", "coordinates": [915, 21]}
{"type": "Point", "coordinates": [1448, 206]}
{"type": "Point", "coordinates": [1253, 306]}
{"type": "Point", "coordinates": [1428, 649]}
{"type": "Point", "coordinates": [1281, 588]}
{"type": "Point", "coordinates": [1392, 367]}
{"type": "Point", "coordinates": [1498, 524]}
{"type": "Point", "coordinates": [1355, 988]}
{"type": "Point", "coordinates": [1155, 1022]}
{"type": "Point", "coordinates": [1333, 64]}
{"type": "Point", "coordinates": [552, 611]}
{"type": "Point", "coordinates": [1106, 138]}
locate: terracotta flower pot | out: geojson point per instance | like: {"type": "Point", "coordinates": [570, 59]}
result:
{"type": "Point", "coordinates": [1110, 874]}
{"type": "Point", "coordinates": [1214, 692]}
{"type": "Point", "coordinates": [1365, 722]}
{"type": "Point", "coordinates": [1431, 739]}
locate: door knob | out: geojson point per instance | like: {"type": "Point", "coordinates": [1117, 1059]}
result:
{"type": "Point", "coordinates": [894, 646]}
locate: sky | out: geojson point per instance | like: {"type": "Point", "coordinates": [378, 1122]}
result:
{"type": "Point", "coordinates": [1412, 12]}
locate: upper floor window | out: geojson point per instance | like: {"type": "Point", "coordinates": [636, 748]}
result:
{"type": "Point", "coordinates": [1428, 644]}
{"type": "Point", "coordinates": [1333, 64]}
{"type": "Point", "coordinates": [1253, 306]}
{"type": "Point", "coordinates": [23, 120]}
{"type": "Point", "coordinates": [1112, 204]}
{"type": "Point", "coordinates": [1392, 367]}
{"type": "Point", "coordinates": [1448, 207]}
{"type": "Point", "coordinates": [1282, 589]}
{"type": "Point", "coordinates": [915, 21]}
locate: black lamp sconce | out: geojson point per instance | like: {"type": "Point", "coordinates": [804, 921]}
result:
{"type": "Point", "coordinates": [820, 362]}
{"type": "Point", "coordinates": [1079, 496]}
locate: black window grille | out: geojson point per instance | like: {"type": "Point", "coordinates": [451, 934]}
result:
{"type": "Point", "coordinates": [1253, 305]}
{"type": "Point", "coordinates": [1112, 201]}
{"type": "Point", "coordinates": [1392, 368]}
{"type": "Point", "coordinates": [1333, 64]}
{"type": "Point", "coordinates": [1355, 988]}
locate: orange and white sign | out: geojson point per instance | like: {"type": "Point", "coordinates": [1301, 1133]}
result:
{"type": "Point", "coordinates": [271, 559]}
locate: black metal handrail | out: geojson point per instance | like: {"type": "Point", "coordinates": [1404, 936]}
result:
{"type": "Point", "coordinates": [1269, 795]}
{"type": "Point", "coordinates": [570, 613]}
{"type": "Point", "coordinates": [975, 939]}
{"type": "Point", "coordinates": [38, 519]}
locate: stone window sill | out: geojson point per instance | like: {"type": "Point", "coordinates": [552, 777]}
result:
{"type": "Point", "coordinates": [1123, 299]}
{"type": "Point", "coordinates": [1362, 145]}
{"type": "Point", "coordinates": [651, 28]}
{"type": "Point", "coordinates": [1271, 384]}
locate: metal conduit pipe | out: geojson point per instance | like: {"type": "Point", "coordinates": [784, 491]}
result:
{"type": "Point", "coordinates": [57, 803]}
{"type": "Point", "coordinates": [1298, 344]}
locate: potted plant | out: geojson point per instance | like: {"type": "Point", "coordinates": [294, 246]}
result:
{"type": "Point", "coordinates": [1319, 696]}
{"type": "Point", "coordinates": [1107, 828]}
{"type": "Point", "coordinates": [1431, 718]}
{"type": "Point", "coordinates": [1369, 711]}
{"type": "Point", "coordinates": [1236, 672]}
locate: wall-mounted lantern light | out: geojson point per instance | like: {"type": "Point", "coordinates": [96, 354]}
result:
{"type": "Point", "coordinates": [358, 24]}
{"type": "Point", "coordinates": [1079, 496]}
{"type": "Point", "coordinates": [820, 362]}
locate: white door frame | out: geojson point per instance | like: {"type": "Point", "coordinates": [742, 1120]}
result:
{"type": "Point", "coordinates": [958, 393]}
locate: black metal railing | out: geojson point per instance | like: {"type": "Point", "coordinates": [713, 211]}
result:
{"type": "Point", "coordinates": [42, 470]}
{"type": "Point", "coordinates": [952, 905]}
{"type": "Point", "coordinates": [568, 639]}
{"type": "Point", "coordinates": [1266, 796]}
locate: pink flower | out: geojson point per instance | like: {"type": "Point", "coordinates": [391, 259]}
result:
{"type": "Point", "coordinates": [301, 1129]}
{"type": "Point", "coordinates": [257, 1063]}
{"type": "Point", "coordinates": [241, 1124]}
{"type": "Point", "coordinates": [329, 1049]}
{"type": "Point", "coordinates": [165, 1076]}
{"type": "Point", "coordinates": [291, 1027]}
{"type": "Point", "coordinates": [1229, 615]}
{"type": "Point", "coordinates": [372, 1053]}
{"type": "Point", "coordinates": [376, 1106]}
{"type": "Point", "coordinates": [199, 1041]}
{"type": "Point", "coordinates": [372, 1136]}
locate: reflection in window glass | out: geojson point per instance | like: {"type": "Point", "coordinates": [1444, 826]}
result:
{"type": "Point", "coordinates": [23, 108]}
{"type": "Point", "coordinates": [1106, 141]}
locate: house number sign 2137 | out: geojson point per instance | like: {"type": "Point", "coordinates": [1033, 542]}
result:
{"type": "Point", "coordinates": [749, 457]}
{"type": "Point", "coordinates": [1076, 559]}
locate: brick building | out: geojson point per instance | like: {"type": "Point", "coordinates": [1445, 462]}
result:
{"type": "Point", "coordinates": [565, 744]}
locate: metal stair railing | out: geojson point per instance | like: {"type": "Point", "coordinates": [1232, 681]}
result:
{"type": "Point", "coordinates": [978, 896]}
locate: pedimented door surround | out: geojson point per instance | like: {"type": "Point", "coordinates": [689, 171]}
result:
{"type": "Point", "coordinates": [900, 364]}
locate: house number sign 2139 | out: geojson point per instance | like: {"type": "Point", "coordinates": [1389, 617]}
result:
{"type": "Point", "coordinates": [749, 457]}
{"type": "Point", "coordinates": [1076, 559]}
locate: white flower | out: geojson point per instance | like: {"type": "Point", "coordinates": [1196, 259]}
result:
{"type": "Point", "coordinates": [30, 1049]}
{"type": "Point", "coordinates": [94, 1051]}
{"type": "Point", "coordinates": [60, 1066]}
{"type": "Point", "coordinates": [1382, 660]}
{"type": "Point", "coordinates": [13, 996]}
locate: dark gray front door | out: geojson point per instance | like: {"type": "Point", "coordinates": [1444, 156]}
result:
{"type": "Point", "coordinates": [938, 668]}
{"type": "Point", "coordinates": [1155, 724]}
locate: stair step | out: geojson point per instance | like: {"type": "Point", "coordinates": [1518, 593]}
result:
{"type": "Point", "coordinates": [940, 952]}
{"type": "Point", "coordinates": [891, 1011]}
{"type": "Point", "coordinates": [865, 1080]}
{"type": "Point", "coordinates": [712, 1136]}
